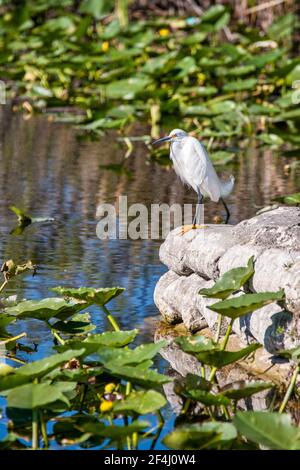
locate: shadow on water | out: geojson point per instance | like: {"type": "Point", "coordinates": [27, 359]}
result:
{"type": "Point", "coordinates": [46, 170]}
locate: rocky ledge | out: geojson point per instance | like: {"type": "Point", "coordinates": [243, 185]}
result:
{"type": "Point", "coordinates": [198, 258]}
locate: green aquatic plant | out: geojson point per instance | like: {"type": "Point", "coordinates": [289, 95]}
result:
{"type": "Point", "coordinates": [220, 402]}
{"type": "Point", "coordinates": [119, 72]}
{"type": "Point", "coordinates": [84, 376]}
{"type": "Point", "coordinates": [24, 220]}
{"type": "Point", "coordinates": [99, 390]}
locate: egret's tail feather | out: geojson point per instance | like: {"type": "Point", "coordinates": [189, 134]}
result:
{"type": "Point", "coordinates": [227, 187]}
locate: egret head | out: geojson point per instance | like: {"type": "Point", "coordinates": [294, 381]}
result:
{"type": "Point", "coordinates": [176, 135]}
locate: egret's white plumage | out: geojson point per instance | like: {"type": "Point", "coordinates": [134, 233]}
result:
{"type": "Point", "coordinates": [194, 167]}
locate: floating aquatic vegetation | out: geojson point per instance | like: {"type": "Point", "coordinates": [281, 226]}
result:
{"type": "Point", "coordinates": [110, 385]}
{"type": "Point", "coordinates": [115, 73]}
{"type": "Point", "coordinates": [24, 220]}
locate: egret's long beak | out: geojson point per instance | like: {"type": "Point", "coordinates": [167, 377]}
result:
{"type": "Point", "coordinates": [163, 139]}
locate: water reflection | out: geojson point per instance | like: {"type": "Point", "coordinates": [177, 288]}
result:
{"type": "Point", "coordinates": [47, 170]}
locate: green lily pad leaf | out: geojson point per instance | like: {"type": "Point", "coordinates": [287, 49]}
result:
{"type": "Point", "coordinates": [113, 357]}
{"type": "Point", "coordinates": [222, 107]}
{"type": "Point", "coordinates": [6, 320]}
{"type": "Point", "coordinates": [294, 75]}
{"type": "Point", "coordinates": [196, 110]}
{"type": "Point", "coordinates": [240, 85]}
{"type": "Point", "coordinates": [159, 63]}
{"type": "Point", "coordinates": [62, 23]}
{"type": "Point", "coordinates": [293, 353]}
{"type": "Point", "coordinates": [282, 27]}
{"type": "Point", "coordinates": [141, 402]}
{"type": "Point", "coordinates": [11, 380]}
{"type": "Point", "coordinates": [93, 343]}
{"type": "Point", "coordinates": [195, 38]}
{"type": "Point", "coordinates": [212, 13]}
{"type": "Point", "coordinates": [272, 430]}
{"type": "Point", "coordinates": [243, 389]}
{"type": "Point", "coordinates": [5, 369]}
{"type": "Point", "coordinates": [187, 66]}
{"type": "Point", "coordinates": [128, 88]}
{"type": "Point", "coordinates": [289, 199]}
{"type": "Point", "coordinates": [99, 296]}
{"type": "Point", "coordinates": [208, 398]}
{"type": "Point", "coordinates": [33, 396]}
{"type": "Point", "coordinates": [271, 139]}
{"type": "Point", "coordinates": [263, 109]}
{"type": "Point", "coordinates": [121, 112]}
{"type": "Point", "coordinates": [105, 123]}
{"type": "Point", "coordinates": [264, 59]}
{"type": "Point", "coordinates": [79, 325]}
{"type": "Point", "coordinates": [195, 344]}
{"type": "Point", "coordinates": [230, 282]}
{"type": "Point", "coordinates": [192, 382]}
{"type": "Point", "coordinates": [237, 71]}
{"type": "Point", "coordinates": [223, 358]}
{"type": "Point", "coordinates": [95, 8]}
{"type": "Point", "coordinates": [201, 436]}
{"type": "Point", "coordinates": [45, 309]}
{"type": "Point", "coordinates": [140, 375]}
{"type": "Point", "coordinates": [113, 432]}
{"type": "Point", "coordinates": [46, 365]}
{"type": "Point", "coordinates": [239, 306]}
{"type": "Point", "coordinates": [197, 90]}
{"type": "Point", "coordinates": [222, 21]}
{"type": "Point", "coordinates": [113, 339]}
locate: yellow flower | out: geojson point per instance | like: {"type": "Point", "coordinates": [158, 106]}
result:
{"type": "Point", "coordinates": [105, 46]}
{"type": "Point", "coordinates": [164, 32]}
{"type": "Point", "coordinates": [201, 78]}
{"type": "Point", "coordinates": [106, 406]}
{"type": "Point", "coordinates": [109, 387]}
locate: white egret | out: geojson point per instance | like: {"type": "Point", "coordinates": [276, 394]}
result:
{"type": "Point", "coordinates": [194, 167]}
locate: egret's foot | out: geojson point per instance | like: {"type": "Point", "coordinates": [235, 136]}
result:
{"type": "Point", "coordinates": [186, 228]}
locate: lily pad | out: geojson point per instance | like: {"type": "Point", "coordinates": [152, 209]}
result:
{"type": "Point", "coordinates": [239, 306]}
{"type": "Point", "coordinates": [141, 402]}
{"type": "Point", "coordinates": [230, 282]}
{"type": "Point", "coordinates": [33, 396]}
{"type": "Point", "coordinates": [201, 436]}
{"type": "Point", "coordinates": [44, 366]}
{"type": "Point", "coordinates": [100, 296]}
{"type": "Point", "coordinates": [243, 389]}
{"type": "Point", "coordinates": [45, 309]}
{"type": "Point", "coordinates": [220, 359]}
{"type": "Point", "coordinates": [272, 430]}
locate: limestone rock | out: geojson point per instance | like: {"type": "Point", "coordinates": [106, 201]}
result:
{"type": "Point", "coordinates": [176, 298]}
{"type": "Point", "coordinates": [197, 251]}
{"type": "Point", "coordinates": [199, 257]}
{"type": "Point", "coordinates": [279, 228]}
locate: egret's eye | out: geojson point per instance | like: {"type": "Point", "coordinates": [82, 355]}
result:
{"type": "Point", "coordinates": [174, 135]}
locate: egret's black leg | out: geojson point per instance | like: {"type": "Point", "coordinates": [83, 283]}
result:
{"type": "Point", "coordinates": [197, 217]}
{"type": "Point", "coordinates": [226, 209]}
{"type": "Point", "coordinates": [198, 209]}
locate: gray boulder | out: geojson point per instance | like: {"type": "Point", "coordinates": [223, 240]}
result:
{"type": "Point", "coordinates": [199, 257]}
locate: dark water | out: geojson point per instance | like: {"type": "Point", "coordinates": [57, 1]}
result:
{"type": "Point", "coordinates": [48, 171]}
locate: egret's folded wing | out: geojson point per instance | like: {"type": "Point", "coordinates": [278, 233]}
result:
{"type": "Point", "coordinates": [207, 175]}
{"type": "Point", "coordinates": [197, 162]}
